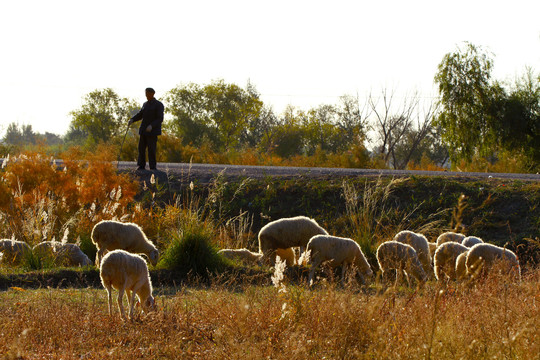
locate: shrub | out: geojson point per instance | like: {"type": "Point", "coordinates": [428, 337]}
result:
{"type": "Point", "coordinates": [40, 200]}
{"type": "Point", "coordinates": [191, 250]}
{"type": "Point", "coordinates": [32, 261]}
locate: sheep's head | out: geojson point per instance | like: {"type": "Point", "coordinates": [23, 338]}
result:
{"type": "Point", "coordinates": [86, 261]}
{"type": "Point", "coordinates": [154, 256]}
{"type": "Point", "coordinates": [369, 273]}
{"type": "Point", "coordinates": [150, 304]}
{"type": "Point", "coordinates": [414, 268]}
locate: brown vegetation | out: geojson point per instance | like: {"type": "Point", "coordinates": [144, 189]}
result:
{"type": "Point", "coordinates": [494, 319]}
{"type": "Point", "coordinates": [231, 315]}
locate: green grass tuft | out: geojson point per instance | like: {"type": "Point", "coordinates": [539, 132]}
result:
{"type": "Point", "coordinates": [191, 250]}
{"type": "Point", "coordinates": [32, 261]}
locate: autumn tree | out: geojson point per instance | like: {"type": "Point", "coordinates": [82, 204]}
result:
{"type": "Point", "coordinates": [467, 96]}
{"type": "Point", "coordinates": [336, 128]}
{"type": "Point", "coordinates": [352, 120]}
{"type": "Point", "coordinates": [19, 135]}
{"type": "Point", "coordinates": [519, 125]}
{"type": "Point", "coordinates": [222, 113]}
{"type": "Point", "coordinates": [289, 134]}
{"type": "Point", "coordinates": [102, 117]}
{"type": "Point", "coordinates": [479, 115]}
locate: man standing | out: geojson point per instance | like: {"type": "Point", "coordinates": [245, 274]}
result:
{"type": "Point", "coordinates": [151, 114]}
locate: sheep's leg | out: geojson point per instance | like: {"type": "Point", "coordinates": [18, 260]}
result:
{"type": "Point", "coordinates": [128, 293]}
{"type": "Point", "coordinates": [134, 290]}
{"type": "Point", "coordinates": [132, 304]}
{"type": "Point", "coordinates": [438, 273]}
{"type": "Point", "coordinates": [109, 293]}
{"type": "Point", "coordinates": [120, 302]}
{"type": "Point", "coordinates": [398, 277]}
{"type": "Point", "coordinates": [302, 250]}
{"type": "Point", "coordinates": [314, 265]}
{"type": "Point", "coordinates": [408, 278]}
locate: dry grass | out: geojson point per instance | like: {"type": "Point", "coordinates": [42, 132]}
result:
{"type": "Point", "coordinates": [494, 319]}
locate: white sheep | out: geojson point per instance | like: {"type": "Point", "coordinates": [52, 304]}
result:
{"type": "Point", "coordinates": [470, 241]}
{"type": "Point", "coordinates": [482, 257]}
{"type": "Point", "coordinates": [337, 251]}
{"type": "Point", "coordinates": [14, 251]}
{"type": "Point", "coordinates": [461, 266]}
{"type": "Point", "coordinates": [286, 233]}
{"type": "Point", "coordinates": [243, 255]}
{"type": "Point", "coordinates": [445, 259]}
{"type": "Point", "coordinates": [401, 257]}
{"type": "Point", "coordinates": [128, 273]}
{"type": "Point", "coordinates": [62, 253]}
{"type": "Point", "coordinates": [420, 244]}
{"type": "Point", "coordinates": [110, 235]}
{"type": "Point", "coordinates": [450, 236]}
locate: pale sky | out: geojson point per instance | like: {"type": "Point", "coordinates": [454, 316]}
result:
{"type": "Point", "coordinates": [303, 53]}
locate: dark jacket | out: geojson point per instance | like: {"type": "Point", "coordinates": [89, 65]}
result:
{"type": "Point", "coordinates": [151, 113]}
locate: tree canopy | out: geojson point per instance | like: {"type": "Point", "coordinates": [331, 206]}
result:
{"type": "Point", "coordinates": [102, 117]}
{"type": "Point", "coordinates": [479, 116]}
{"type": "Point", "coordinates": [218, 112]}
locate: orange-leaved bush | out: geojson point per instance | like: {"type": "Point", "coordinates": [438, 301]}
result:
{"type": "Point", "coordinates": [36, 190]}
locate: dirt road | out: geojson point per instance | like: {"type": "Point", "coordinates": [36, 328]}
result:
{"type": "Point", "coordinates": [203, 173]}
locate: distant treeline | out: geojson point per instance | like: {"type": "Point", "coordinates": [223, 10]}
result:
{"type": "Point", "coordinates": [476, 123]}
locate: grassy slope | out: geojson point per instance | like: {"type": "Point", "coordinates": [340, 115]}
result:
{"type": "Point", "coordinates": [504, 213]}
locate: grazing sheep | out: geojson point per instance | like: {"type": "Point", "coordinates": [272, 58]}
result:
{"type": "Point", "coordinates": [482, 257]}
{"type": "Point", "coordinates": [450, 236]}
{"type": "Point", "coordinates": [286, 233]}
{"type": "Point", "coordinates": [64, 254]}
{"type": "Point", "coordinates": [110, 235]}
{"type": "Point", "coordinates": [461, 266]}
{"type": "Point", "coordinates": [127, 272]}
{"type": "Point", "coordinates": [419, 244]}
{"type": "Point", "coordinates": [445, 259]}
{"type": "Point", "coordinates": [243, 255]}
{"type": "Point", "coordinates": [337, 251]}
{"type": "Point", "coordinates": [402, 258]}
{"type": "Point", "coordinates": [14, 251]}
{"type": "Point", "coordinates": [470, 241]}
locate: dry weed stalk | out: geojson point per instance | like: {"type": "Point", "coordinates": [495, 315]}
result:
{"type": "Point", "coordinates": [457, 213]}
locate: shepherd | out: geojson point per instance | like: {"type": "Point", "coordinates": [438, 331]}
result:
{"type": "Point", "coordinates": [151, 115]}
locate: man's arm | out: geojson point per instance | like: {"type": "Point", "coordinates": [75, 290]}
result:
{"type": "Point", "coordinates": [138, 116]}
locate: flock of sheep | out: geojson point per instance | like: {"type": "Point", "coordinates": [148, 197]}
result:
{"type": "Point", "coordinates": [453, 256]}
{"type": "Point", "coordinates": [296, 240]}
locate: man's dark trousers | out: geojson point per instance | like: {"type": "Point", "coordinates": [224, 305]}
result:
{"type": "Point", "coordinates": [150, 142]}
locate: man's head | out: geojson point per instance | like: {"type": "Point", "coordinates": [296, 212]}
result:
{"type": "Point", "coordinates": [149, 93]}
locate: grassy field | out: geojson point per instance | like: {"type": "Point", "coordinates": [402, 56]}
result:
{"type": "Point", "coordinates": [494, 319]}
{"type": "Point", "coordinates": [209, 308]}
